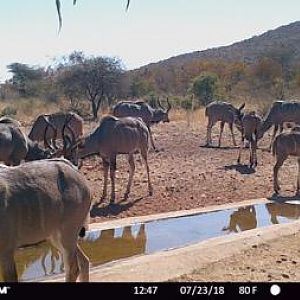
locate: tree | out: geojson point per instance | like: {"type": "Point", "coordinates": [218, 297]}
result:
{"type": "Point", "coordinates": [94, 78]}
{"type": "Point", "coordinates": [25, 78]}
{"type": "Point", "coordinates": [205, 87]}
{"type": "Point", "coordinates": [139, 88]}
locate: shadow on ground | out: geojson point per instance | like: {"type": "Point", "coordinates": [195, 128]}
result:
{"type": "Point", "coordinates": [281, 199]}
{"type": "Point", "coordinates": [217, 147]}
{"type": "Point", "coordinates": [243, 169]}
{"type": "Point", "coordinates": [112, 209]}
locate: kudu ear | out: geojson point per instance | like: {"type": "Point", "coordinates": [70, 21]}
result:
{"type": "Point", "coordinates": [169, 105]}
{"type": "Point", "coordinates": [159, 104]}
{"type": "Point", "coordinates": [242, 107]}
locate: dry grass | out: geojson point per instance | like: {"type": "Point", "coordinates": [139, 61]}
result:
{"type": "Point", "coordinates": [29, 109]}
{"type": "Point", "coordinates": [191, 117]}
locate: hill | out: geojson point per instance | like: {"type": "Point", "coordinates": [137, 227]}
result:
{"type": "Point", "coordinates": [262, 66]}
{"type": "Point", "coordinates": [283, 41]}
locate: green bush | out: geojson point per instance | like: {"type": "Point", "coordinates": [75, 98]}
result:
{"type": "Point", "coordinates": [8, 111]}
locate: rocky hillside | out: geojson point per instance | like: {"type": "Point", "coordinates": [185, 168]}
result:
{"type": "Point", "coordinates": [281, 43]}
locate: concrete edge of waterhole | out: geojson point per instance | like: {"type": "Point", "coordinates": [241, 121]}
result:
{"type": "Point", "coordinates": [165, 265]}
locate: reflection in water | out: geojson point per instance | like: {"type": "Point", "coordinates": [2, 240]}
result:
{"type": "Point", "coordinates": [44, 255]}
{"type": "Point", "coordinates": [290, 211]}
{"type": "Point", "coordinates": [244, 218]}
{"type": "Point", "coordinates": [113, 244]}
{"type": "Point", "coordinates": [109, 246]}
{"type": "Point", "coordinates": [100, 246]}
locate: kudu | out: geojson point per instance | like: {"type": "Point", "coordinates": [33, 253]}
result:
{"type": "Point", "coordinates": [225, 113]}
{"type": "Point", "coordinates": [143, 110]}
{"type": "Point", "coordinates": [244, 218]}
{"type": "Point", "coordinates": [15, 146]}
{"type": "Point", "coordinates": [43, 200]}
{"type": "Point", "coordinates": [284, 145]}
{"type": "Point", "coordinates": [56, 121]}
{"type": "Point", "coordinates": [286, 210]}
{"type": "Point", "coordinates": [280, 112]}
{"type": "Point", "coordinates": [113, 136]}
{"type": "Point", "coordinates": [250, 124]}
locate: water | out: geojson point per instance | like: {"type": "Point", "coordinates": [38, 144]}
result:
{"type": "Point", "coordinates": [103, 246]}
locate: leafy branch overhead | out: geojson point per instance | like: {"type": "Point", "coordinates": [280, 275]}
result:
{"type": "Point", "coordinates": [58, 8]}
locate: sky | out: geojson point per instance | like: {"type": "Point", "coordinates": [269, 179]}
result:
{"type": "Point", "coordinates": [150, 31]}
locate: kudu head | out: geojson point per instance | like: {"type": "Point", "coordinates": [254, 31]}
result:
{"type": "Point", "coordinates": [238, 117]}
{"type": "Point", "coordinates": [161, 114]}
{"type": "Point", "coordinates": [70, 144]}
{"type": "Point", "coordinates": [36, 152]}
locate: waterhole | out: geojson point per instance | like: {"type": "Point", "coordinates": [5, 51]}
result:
{"type": "Point", "coordinates": [102, 246]}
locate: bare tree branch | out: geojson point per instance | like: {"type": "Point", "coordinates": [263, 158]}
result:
{"type": "Point", "coordinates": [59, 14]}
{"type": "Point", "coordinates": [127, 6]}
{"type": "Point", "coordinates": [58, 8]}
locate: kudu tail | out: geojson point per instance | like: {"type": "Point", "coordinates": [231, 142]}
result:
{"type": "Point", "coordinates": [85, 225]}
{"type": "Point", "coordinates": [82, 232]}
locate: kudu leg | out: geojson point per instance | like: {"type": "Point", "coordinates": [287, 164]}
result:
{"type": "Point", "coordinates": [131, 173]}
{"type": "Point", "coordinates": [144, 156]}
{"type": "Point", "coordinates": [7, 264]}
{"type": "Point", "coordinates": [276, 168]}
{"type": "Point", "coordinates": [221, 132]}
{"type": "Point", "coordinates": [151, 138]}
{"type": "Point", "coordinates": [253, 150]}
{"type": "Point", "coordinates": [273, 136]}
{"type": "Point", "coordinates": [251, 161]}
{"type": "Point", "coordinates": [240, 150]}
{"type": "Point", "coordinates": [112, 172]}
{"type": "Point", "coordinates": [83, 264]}
{"type": "Point", "coordinates": [208, 133]}
{"type": "Point", "coordinates": [232, 134]}
{"type": "Point", "coordinates": [105, 178]}
{"type": "Point", "coordinates": [66, 242]}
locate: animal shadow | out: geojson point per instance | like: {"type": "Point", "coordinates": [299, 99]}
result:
{"type": "Point", "coordinates": [112, 209]}
{"type": "Point", "coordinates": [282, 199]}
{"type": "Point", "coordinates": [217, 147]}
{"type": "Point", "coordinates": [243, 169]}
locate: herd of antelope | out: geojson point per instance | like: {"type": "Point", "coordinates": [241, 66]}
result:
{"type": "Point", "coordinates": [48, 199]}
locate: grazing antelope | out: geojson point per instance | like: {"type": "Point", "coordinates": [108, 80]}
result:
{"type": "Point", "coordinates": [280, 112]}
{"type": "Point", "coordinates": [56, 121]}
{"type": "Point", "coordinates": [250, 124]}
{"type": "Point", "coordinates": [225, 113]}
{"type": "Point", "coordinates": [141, 109]}
{"type": "Point", "coordinates": [15, 146]}
{"type": "Point", "coordinates": [284, 145]}
{"type": "Point", "coordinates": [113, 136]}
{"type": "Point", "coordinates": [43, 200]}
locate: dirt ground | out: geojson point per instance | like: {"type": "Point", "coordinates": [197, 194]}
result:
{"type": "Point", "coordinates": [277, 260]}
{"type": "Point", "coordinates": [186, 175]}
